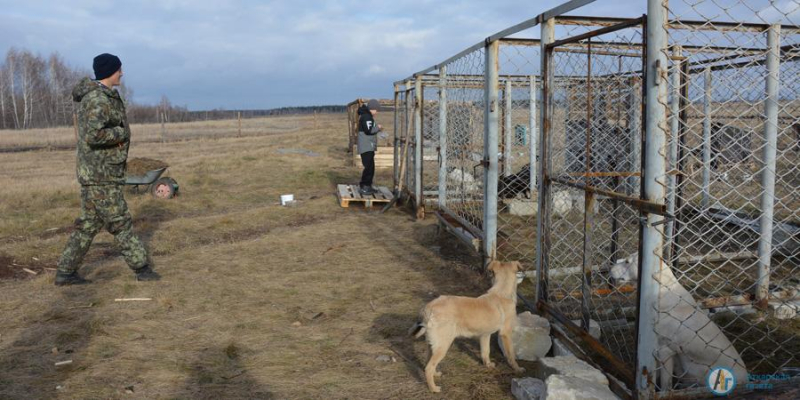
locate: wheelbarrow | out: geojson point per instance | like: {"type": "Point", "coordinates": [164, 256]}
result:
{"type": "Point", "coordinates": [160, 187]}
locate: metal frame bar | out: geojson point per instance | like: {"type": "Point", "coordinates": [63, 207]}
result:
{"type": "Point", "coordinates": [418, 104]}
{"type": "Point", "coordinates": [442, 136]}
{"type": "Point", "coordinates": [491, 124]}
{"type": "Point", "coordinates": [768, 172]}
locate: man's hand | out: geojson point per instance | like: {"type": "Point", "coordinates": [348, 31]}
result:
{"type": "Point", "coordinates": [380, 126]}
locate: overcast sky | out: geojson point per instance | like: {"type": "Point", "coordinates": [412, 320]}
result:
{"type": "Point", "coordinates": [247, 54]}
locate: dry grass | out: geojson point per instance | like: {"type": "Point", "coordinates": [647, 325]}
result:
{"type": "Point", "coordinates": [238, 271]}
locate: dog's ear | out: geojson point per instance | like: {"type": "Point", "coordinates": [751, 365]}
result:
{"type": "Point", "coordinates": [492, 265]}
{"type": "Point", "coordinates": [517, 266]}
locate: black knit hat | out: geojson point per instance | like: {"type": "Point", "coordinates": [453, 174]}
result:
{"type": "Point", "coordinates": [374, 105]}
{"type": "Point", "coordinates": [105, 65]}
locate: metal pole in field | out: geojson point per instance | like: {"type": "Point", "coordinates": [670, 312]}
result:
{"type": "Point", "coordinates": [653, 189]}
{"type": "Point", "coordinates": [706, 138]}
{"type": "Point", "coordinates": [674, 126]}
{"type": "Point", "coordinates": [409, 154]}
{"type": "Point", "coordinates": [769, 169]}
{"type": "Point", "coordinates": [533, 134]}
{"type": "Point", "coordinates": [418, 144]}
{"type": "Point", "coordinates": [507, 167]}
{"type": "Point", "coordinates": [491, 123]}
{"type": "Point", "coordinates": [545, 125]}
{"type": "Point", "coordinates": [397, 146]}
{"type": "Point", "coordinates": [442, 136]}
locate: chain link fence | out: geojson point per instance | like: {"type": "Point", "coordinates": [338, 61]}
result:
{"type": "Point", "coordinates": [607, 150]}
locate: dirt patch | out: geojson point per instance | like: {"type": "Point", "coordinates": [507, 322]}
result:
{"type": "Point", "coordinates": [10, 269]}
{"type": "Point", "coordinates": [140, 166]}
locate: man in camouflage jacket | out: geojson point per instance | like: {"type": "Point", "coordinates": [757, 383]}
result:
{"type": "Point", "coordinates": [103, 141]}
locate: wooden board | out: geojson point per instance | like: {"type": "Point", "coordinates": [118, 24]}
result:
{"type": "Point", "coordinates": [384, 157]}
{"type": "Point", "coordinates": [349, 193]}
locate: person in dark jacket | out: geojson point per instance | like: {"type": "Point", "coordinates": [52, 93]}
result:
{"type": "Point", "coordinates": [103, 142]}
{"type": "Point", "coordinates": [368, 130]}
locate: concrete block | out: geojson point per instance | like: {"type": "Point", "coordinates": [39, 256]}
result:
{"type": "Point", "coordinates": [528, 389]}
{"type": "Point", "coordinates": [594, 327]}
{"type": "Point", "coordinates": [570, 366]}
{"type": "Point", "coordinates": [531, 337]}
{"type": "Point", "coordinates": [784, 310]}
{"type": "Point", "coordinates": [560, 387]}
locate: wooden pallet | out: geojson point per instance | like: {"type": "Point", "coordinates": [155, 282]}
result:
{"type": "Point", "coordinates": [349, 193]}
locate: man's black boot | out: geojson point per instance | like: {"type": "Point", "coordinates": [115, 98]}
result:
{"type": "Point", "coordinates": [66, 279]}
{"type": "Point", "coordinates": [366, 190]}
{"type": "Point", "coordinates": [147, 274]}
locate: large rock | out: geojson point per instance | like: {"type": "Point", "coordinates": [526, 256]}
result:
{"type": "Point", "coordinates": [560, 387]}
{"type": "Point", "coordinates": [562, 203]}
{"type": "Point", "coordinates": [784, 310]}
{"type": "Point", "coordinates": [560, 349]}
{"type": "Point", "coordinates": [570, 366]}
{"type": "Point", "coordinates": [528, 389]}
{"type": "Point", "coordinates": [531, 337]}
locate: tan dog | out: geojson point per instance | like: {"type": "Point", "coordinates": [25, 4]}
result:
{"type": "Point", "coordinates": [449, 317]}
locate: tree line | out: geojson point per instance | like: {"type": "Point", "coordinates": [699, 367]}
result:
{"type": "Point", "coordinates": [36, 92]}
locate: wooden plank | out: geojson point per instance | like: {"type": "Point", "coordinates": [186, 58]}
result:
{"type": "Point", "coordinates": [386, 193]}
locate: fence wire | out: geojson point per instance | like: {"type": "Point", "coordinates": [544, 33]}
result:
{"type": "Point", "coordinates": [730, 281]}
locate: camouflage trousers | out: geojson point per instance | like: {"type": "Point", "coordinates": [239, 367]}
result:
{"type": "Point", "coordinates": [103, 206]}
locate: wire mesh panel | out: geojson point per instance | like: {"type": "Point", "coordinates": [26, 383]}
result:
{"type": "Point", "coordinates": [519, 86]}
{"type": "Point", "coordinates": [464, 140]}
{"type": "Point", "coordinates": [430, 141]}
{"type": "Point", "coordinates": [729, 276]}
{"type": "Point", "coordinates": [594, 111]}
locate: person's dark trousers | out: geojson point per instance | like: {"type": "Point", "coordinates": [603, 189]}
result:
{"type": "Point", "coordinates": [368, 160]}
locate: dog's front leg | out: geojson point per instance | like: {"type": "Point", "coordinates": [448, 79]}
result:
{"type": "Point", "coordinates": [505, 336]}
{"type": "Point", "coordinates": [485, 351]}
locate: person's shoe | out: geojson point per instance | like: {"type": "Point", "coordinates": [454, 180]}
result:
{"type": "Point", "coordinates": [366, 190]}
{"type": "Point", "coordinates": [146, 274]}
{"type": "Point", "coordinates": [66, 279]}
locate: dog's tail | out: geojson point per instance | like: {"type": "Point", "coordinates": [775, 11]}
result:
{"type": "Point", "coordinates": [417, 330]}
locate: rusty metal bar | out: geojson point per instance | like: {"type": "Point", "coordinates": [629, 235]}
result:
{"type": "Point", "coordinates": [637, 203]}
{"type": "Point", "coordinates": [602, 31]}
{"type": "Point", "coordinates": [588, 199]}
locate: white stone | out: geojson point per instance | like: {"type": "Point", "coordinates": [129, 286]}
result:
{"type": "Point", "coordinates": [531, 337]}
{"type": "Point", "coordinates": [560, 387]}
{"type": "Point", "coordinates": [570, 366]}
{"type": "Point", "coordinates": [784, 310]}
{"type": "Point", "coordinates": [560, 349]}
{"type": "Point", "coordinates": [562, 203]}
{"type": "Point", "coordinates": [523, 207]}
{"type": "Point", "coordinates": [528, 389]}
{"type": "Point", "coordinates": [594, 327]}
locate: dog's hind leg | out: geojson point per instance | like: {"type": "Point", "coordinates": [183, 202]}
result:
{"type": "Point", "coordinates": [439, 347]}
{"type": "Point", "coordinates": [485, 345]}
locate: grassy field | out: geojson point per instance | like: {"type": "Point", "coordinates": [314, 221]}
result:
{"type": "Point", "coordinates": [256, 300]}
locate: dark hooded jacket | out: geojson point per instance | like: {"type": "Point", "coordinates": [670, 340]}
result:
{"type": "Point", "coordinates": [103, 134]}
{"type": "Point", "coordinates": [367, 131]}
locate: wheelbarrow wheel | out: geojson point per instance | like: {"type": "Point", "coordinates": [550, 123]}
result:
{"type": "Point", "coordinates": [164, 188]}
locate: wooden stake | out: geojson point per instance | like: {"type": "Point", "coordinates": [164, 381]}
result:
{"type": "Point", "coordinates": [239, 117]}
{"type": "Point", "coordinates": [32, 272]}
{"type": "Point", "coordinates": [135, 299]}
{"type": "Point", "coordinates": [60, 363]}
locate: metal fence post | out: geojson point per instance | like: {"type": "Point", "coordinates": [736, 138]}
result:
{"type": "Point", "coordinates": [768, 173]}
{"type": "Point", "coordinates": [507, 167]}
{"type": "Point", "coordinates": [396, 164]}
{"type": "Point", "coordinates": [534, 133]}
{"type": "Point", "coordinates": [635, 134]}
{"type": "Point", "coordinates": [442, 136]}
{"type": "Point", "coordinates": [490, 148]}
{"type": "Point", "coordinates": [409, 154]}
{"type": "Point", "coordinates": [545, 115]}
{"type": "Point", "coordinates": [418, 147]}
{"type": "Point", "coordinates": [706, 138]}
{"type": "Point", "coordinates": [674, 127]}
{"type": "Point", "coordinates": [653, 189]}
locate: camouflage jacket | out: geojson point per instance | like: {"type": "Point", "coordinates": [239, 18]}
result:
{"type": "Point", "coordinates": [103, 134]}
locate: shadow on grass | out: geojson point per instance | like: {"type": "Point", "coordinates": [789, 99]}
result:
{"type": "Point", "coordinates": [218, 374]}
